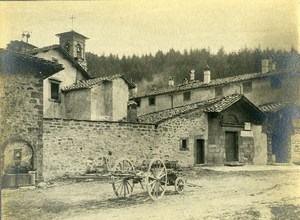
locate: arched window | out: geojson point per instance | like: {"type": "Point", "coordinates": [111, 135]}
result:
{"type": "Point", "coordinates": [79, 51]}
{"type": "Point", "coordinates": [67, 46]}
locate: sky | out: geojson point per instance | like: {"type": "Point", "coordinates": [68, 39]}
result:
{"type": "Point", "coordinates": [130, 27]}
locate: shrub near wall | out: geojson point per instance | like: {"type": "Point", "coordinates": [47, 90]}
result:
{"type": "Point", "coordinates": [73, 147]}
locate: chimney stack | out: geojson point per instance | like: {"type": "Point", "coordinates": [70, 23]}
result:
{"type": "Point", "coordinates": [171, 81]}
{"type": "Point", "coordinates": [192, 75]}
{"type": "Point", "coordinates": [267, 65]}
{"type": "Point", "coordinates": [132, 111]}
{"type": "Point", "coordinates": [207, 74]}
{"type": "Point", "coordinates": [264, 66]}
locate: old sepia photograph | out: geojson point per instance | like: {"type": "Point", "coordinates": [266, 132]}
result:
{"type": "Point", "coordinates": [161, 110]}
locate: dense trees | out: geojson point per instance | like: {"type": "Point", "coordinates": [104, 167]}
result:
{"type": "Point", "coordinates": [150, 69]}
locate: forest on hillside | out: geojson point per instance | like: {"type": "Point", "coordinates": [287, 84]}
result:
{"type": "Point", "coordinates": [148, 70]}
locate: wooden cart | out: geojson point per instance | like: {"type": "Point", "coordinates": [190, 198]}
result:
{"type": "Point", "coordinates": [157, 176]}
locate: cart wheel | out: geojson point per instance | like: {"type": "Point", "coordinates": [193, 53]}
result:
{"type": "Point", "coordinates": [179, 185]}
{"type": "Point", "coordinates": [156, 180]}
{"type": "Point", "coordinates": [123, 186]}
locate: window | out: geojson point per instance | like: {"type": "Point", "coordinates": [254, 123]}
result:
{"type": "Point", "coordinates": [184, 144]}
{"type": "Point", "coordinates": [247, 87]}
{"type": "Point", "coordinates": [152, 100]}
{"type": "Point", "coordinates": [67, 46]}
{"type": "Point", "coordinates": [275, 83]}
{"type": "Point", "coordinates": [79, 51]}
{"type": "Point", "coordinates": [218, 91]}
{"type": "Point", "coordinates": [187, 96]}
{"type": "Point", "coordinates": [54, 87]}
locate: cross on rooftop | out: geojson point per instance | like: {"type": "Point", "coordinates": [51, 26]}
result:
{"type": "Point", "coordinates": [72, 20]}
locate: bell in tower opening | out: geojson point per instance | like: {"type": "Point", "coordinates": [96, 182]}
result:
{"type": "Point", "coordinates": [74, 44]}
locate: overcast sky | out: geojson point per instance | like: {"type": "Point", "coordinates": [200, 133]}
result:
{"type": "Point", "coordinates": [143, 27]}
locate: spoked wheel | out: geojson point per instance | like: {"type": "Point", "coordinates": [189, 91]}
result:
{"type": "Point", "coordinates": [179, 185]}
{"type": "Point", "coordinates": [156, 180]}
{"type": "Point", "coordinates": [122, 182]}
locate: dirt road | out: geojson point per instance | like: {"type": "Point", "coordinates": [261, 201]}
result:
{"type": "Point", "coordinates": [216, 193]}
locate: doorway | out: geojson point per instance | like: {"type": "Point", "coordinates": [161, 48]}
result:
{"type": "Point", "coordinates": [231, 146]}
{"type": "Point", "coordinates": [200, 151]}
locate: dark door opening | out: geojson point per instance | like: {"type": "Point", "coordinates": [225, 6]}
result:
{"type": "Point", "coordinates": [280, 147]}
{"type": "Point", "coordinates": [200, 151]}
{"type": "Point", "coordinates": [231, 146]}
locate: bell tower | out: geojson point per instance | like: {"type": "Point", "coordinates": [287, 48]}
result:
{"type": "Point", "coordinates": [74, 44]}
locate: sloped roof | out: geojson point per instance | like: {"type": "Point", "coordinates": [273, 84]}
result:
{"type": "Point", "coordinates": [16, 43]}
{"type": "Point", "coordinates": [210, 105]}
{"type": "Point", "coordinates": [200, 84]}
{"type": "Point", "coordinates": [64, 53]}
{"type": "Point", "coordinates": [10, 60]}
{"type": "Point", "coordinates": [223, 103]}
{"type": "Point", "coordinates": [96, 81]}
{"type": "Point", "coordinates": [273, 107]}
{"type": "Point", "coordinates": [71, 33]}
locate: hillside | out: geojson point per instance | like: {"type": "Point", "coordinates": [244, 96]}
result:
{"type": "Point", "coordinates": [148, 70]}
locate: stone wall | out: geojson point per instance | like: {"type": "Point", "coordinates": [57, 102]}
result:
{"type": "Point", "coordinates": [21, 118]}
{"type": "Point", "coordinates": [295, 146]}
{"type": "Point", "coordinates": [191, 126]}
{"type": "Point", "coordinates": [74, 147]}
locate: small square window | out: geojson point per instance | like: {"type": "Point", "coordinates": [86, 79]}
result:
{"type": "Point", "coordinates": [152, 100]}
{"type": "Point", "coordinates": [54, 86]}
{"type": "Point", "coordinates": [275, 83]}
{"type": "Point", "coordinates": [218, 91]}
{"type": "Point", "coordinates": [247, 87]}
{"type": "Point", "coordinates": [184, 144]}
{"type": "Point", "coordinates": [187, 96]}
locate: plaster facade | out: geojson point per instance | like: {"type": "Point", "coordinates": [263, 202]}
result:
{"type": "Point", "coordinates": [55, 108]}
{"type": "Point", "coordinates": [261, 92]}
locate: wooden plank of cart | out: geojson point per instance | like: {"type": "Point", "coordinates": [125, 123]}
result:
{"type": "Point", "coordinates": [157, 176]}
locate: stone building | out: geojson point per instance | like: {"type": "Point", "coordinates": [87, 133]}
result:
{"type": "Point", "coordinates": [21, 118]}
{"type": "Point", "coordinates": [266, 89]}
{"type": "Point", "coordinates": [54, 103]}
{"type": "Point", "coordinates": [103, 98]}
{"type": "Point", "coordinates": [73, 92]}
{"type": "Point", "coordinates": [232, 130]}
{"type": "Point", "coordinates": [216, 131]}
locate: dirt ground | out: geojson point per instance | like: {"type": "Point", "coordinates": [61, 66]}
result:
{"type": "Point", "coordinates": [246, 192]}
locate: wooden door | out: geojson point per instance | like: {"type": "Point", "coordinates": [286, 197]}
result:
{"type": "Point", "coordinates": [231, 146]}
{"type": "Point", "coordinates": [200, 152]}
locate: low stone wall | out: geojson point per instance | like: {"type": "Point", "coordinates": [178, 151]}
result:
{"type": "Point", "coordinates": [73, 147]}
{"type": "Point", "coordinates": [295, 146]}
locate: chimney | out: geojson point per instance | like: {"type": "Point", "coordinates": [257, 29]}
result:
{"type": "Point", "coordinates": [264, 66]}
{"type": "Point", "coordinates": [192, 75]}
{"type": "Point", "coordinates": [133, 91]}
{"type": "Point", "coordinates": [132, 112]}
{"type": "Point", "coordinates": [207, 74]}
{"type": "Point", "coordinates": [171, 81]}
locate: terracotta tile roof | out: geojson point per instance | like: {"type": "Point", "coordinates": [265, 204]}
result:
{"type": "Point", "coordinates": [200, 84]}
{"type": "Point", "coordinates": [65, 54]}
{"type": "Point", "coordinates": [9, 58]}
{"type": "Point", "coordinates": [96, 81]}
{"type": "Point", "coordinates": [273, 106]}
{"type": "Point", "coordinates": [211, 105]}
{"type": "Point", "coordinates": [224, 103]}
